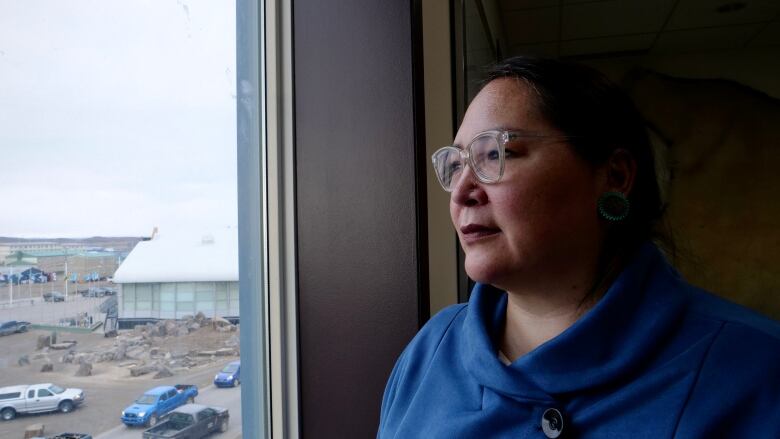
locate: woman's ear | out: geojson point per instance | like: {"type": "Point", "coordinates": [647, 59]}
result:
{"type": "Point", "coordinates": [621, 171]}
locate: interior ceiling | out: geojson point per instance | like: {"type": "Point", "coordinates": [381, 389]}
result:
{"type": "Point", "coordinates": [585, 28]}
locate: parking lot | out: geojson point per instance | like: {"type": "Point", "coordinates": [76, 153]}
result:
{"type": "Point", "coordinates": [108, 390]}
{"type": "Point", "coordinates": [28, 304]}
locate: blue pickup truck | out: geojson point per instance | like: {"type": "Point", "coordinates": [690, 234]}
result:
{"type": "Point", "coordinates": [157, 402]}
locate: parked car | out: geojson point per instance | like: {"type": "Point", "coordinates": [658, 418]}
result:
{"type": "Point", "coordinates": [93, 292]}
{"type": "Point", "coordinates": [53, 296]}
{"type": "Point", "coordinates": [229, 376]}
{"type": "Point", "coordinates": [12, 326]}
{"type": "Point", "coordinates": [97, 292]}
{"type": "Point", "coordinates": [67, 436]}
{"type": "Point", "coordinates": [37, 398]}
{"type": "Point", "coordinates": [191, 421]}
{"type": "Point", "coordinates": [157, 402]}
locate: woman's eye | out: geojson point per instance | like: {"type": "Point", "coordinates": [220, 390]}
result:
{"type": "Point", "coordinates": [512, 152]}
{"type": "Point", "coordinates": [453, 167]}
{"type": "Point", "coordinates": [492, 155]}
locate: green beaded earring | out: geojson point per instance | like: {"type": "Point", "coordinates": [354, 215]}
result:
{"type": "Point", "coordinates": [613, 206]}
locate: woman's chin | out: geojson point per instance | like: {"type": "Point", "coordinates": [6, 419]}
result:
{"type": "Point", "coordinates": [482, 271]}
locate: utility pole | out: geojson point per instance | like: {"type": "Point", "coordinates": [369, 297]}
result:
{"type": "Point", "coordinates": [11, 297]}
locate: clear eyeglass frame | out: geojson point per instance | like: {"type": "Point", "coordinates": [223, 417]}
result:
{"type": "Point", "coordinates": [466, 155]}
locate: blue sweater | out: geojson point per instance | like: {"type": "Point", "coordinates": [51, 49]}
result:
{"type": "Point", "coordinates": [655, 358]}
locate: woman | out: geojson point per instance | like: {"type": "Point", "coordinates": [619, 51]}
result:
{"type": "Point", "coordinates": [578, 326]}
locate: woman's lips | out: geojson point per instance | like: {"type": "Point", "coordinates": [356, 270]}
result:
{"type": "Point", "coordinates": [476, 232]}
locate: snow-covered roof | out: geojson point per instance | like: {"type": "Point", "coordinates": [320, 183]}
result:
{"type": "Point", "coordinates": [183, 257]}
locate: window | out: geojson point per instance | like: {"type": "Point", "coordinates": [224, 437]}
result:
{"type": "Point", "coordinates": [43, 393]}
{"type": "Point", "coordinates": [13, 395]}
{"type": "Point", "coordinates": [123, 129]}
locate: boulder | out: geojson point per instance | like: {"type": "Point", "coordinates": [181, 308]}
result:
{"type": "Point", "coordinates": [163, 372]}
{"type": "Point", "coordinates": [178, 353]}
{"type": "Point", "coordinates": [142, 370]}
{"type": "Point", "coordinates": [136, 352]}
{"type": "Point", "coordinates": [194, 326]}
{"type": "Point", "coordinates": [24, 360]}
{"type": "Point", "coordinates": [47, 367]}
{"type": "Point", "coordinates": [68, 358]}
{"type": "Point", "coordinates": [170, 327]}
{"type": "Point", "coordinates": [153, 331]}
{"type": "Point", "coordinates": [44, 341]}
{"type": "Point", "coordinates": [66, 344]}
{"type": "Point", "coordinates": [200, 317]}
{"type": "Point", "coordinates": [106, 356]}
{"type": "Point", "coordinates": [233, 341]}
{"type": "Point", "coordinates": [182, 331]}
{"type": "Point", "coordinates": [84, 358]}
{"type": "Point", "coordinates": [85, 370]}
{"type": "Point", "coordinates": [134, 341]}
{"type": "Point", "coordinates": [34, 430]}
{"type": "Point", "coordinates": [121, 351]}
{"type": "Point", "coordinates": [219, 321]}
{"type": "Point", "coordinates": [53, 337]}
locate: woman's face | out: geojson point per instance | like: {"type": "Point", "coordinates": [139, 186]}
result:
{"type": "Point", "coordinates": [539, 222]}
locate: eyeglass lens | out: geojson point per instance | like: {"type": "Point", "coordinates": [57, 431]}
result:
{"type": "Point", "coordinates": [485, 155]}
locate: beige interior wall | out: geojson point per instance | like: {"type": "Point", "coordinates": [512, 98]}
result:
{"type": "Point", "coordinates": [438, 132]}
{"type": "Point", "coordinates": [723, 147]}
{"type": "Point", "coordinates": [757, 68]}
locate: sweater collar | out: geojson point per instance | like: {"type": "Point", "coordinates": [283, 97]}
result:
{"type": "Point", "coordinates": [633, 317]}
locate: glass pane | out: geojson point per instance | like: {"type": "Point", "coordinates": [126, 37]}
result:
{"type": "Point", "coordinates": [204, 296]}
{"type": "Point", "coordinates": [143, 292]}
{"type": "Point", "coordinates": [118, 163]}
{"type": "Point", "coordinates": [204, 286]}
{"type": "Point", "coordinates": [185, 306]}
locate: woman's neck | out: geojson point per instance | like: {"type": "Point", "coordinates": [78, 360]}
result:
{"type": "Point", "coordinates": [530, 323]}
{"type": "Point", "coordinates": [535, 316]}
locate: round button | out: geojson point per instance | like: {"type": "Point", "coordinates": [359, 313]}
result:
{"type": "Point", "coordinates": [552, 423]}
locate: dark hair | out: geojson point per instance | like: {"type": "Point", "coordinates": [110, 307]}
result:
{"type": "Point", "coordinates": [581, 102]}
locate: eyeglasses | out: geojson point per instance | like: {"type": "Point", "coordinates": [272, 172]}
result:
{"type": "Point", "coordinates": [485, 154]}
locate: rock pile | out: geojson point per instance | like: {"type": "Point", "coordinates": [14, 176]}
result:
{"type": "Point", "coordinates": [142, 352]}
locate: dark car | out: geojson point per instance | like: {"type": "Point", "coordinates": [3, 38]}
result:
{"type": "Point", "coordinates": [70, 436]}
{"type": "Point", "coordinates": [93, 292]}
{"type": "Point", "coordinates": [53, 296]}
{"type": "Point", "coordinates": [12, 326]}
{"type": "Point", "coordinates": [191, 421]}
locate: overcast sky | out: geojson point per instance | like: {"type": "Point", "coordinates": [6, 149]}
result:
{"type": "Point", "coordinates": [116, 116]}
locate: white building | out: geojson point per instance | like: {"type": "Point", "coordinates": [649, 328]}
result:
{"type": "Point", "coordinates": [175, 274]}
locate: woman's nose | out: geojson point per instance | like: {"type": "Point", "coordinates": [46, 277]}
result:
{"type": "Point", "coordinates": [467, 190]}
